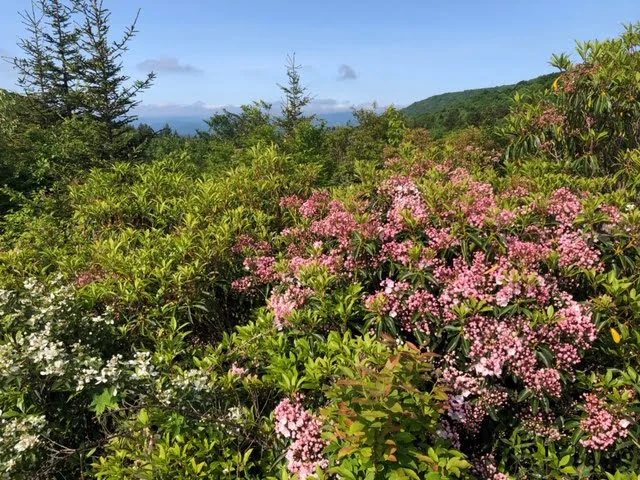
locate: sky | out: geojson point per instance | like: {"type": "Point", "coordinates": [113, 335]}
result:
{"type": "Point", "coordinates": [213, 53]}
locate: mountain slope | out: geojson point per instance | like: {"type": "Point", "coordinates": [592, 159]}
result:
{"type": "Point", "coordinates": [478, 107]}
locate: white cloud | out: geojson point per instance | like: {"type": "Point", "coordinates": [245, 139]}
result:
{"type": "Point", "coordinates": [203, 109]}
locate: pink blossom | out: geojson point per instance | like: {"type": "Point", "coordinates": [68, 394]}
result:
{"type": "Point", "coordinates": [410, 308]}
{"type": "Point", "coordinates": [247, 242]}
{"type": "Point", "coordinates": [236, 370]}
{"type": "Point", "coordinates": [574, 251]}
{"type": "Point", "coordinates": [242, 284]}
{"type": "Point", "coordinates": [601, 425]}
{"type": "Point", "coordinates": [293, 422]}
{"type": "Point", "coordinates": [462, 281]}
{"type": "Point", "coordinates": [84, 278]}
{"type": "Point", "coordinates": [315, 204]}
{"type": "Point", "coordinates": [283, 304]}
{"type": "Point", "coordinates": [564, 206]}
{"type": "Point", "coordinates": [338, 224]}
{"type": "Point", "coordinates": [292, 201]}
{"type": "Point", "coordinates": [263, 268]}
{"type": "Point", "coordinates": [407, 204]}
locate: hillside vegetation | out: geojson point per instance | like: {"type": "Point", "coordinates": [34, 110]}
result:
{"type": "Point", "coordinates": [481, 107]}
{"type": "Point", "coordinates": [277, 300]}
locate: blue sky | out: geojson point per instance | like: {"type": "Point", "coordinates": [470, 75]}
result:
{"type": "Point", "coordinates": [209, 53]}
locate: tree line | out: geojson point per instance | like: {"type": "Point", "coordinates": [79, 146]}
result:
{"type": "Point", "coordinates": [71, 65]}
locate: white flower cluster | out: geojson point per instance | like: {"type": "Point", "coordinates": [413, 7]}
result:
{"type": "Point", "coordinates": [42, 348]}
{"type": "Point", "coordinates": [141, 366]}
{"type": "Point", "coordinates": [19, 436]}
{"type": "Point", "coordinates": [115, 370]}
{"type": "Point", "coordinates": [234, 421]}
{"type": "Point", "coordinates": [9, 366]}
{"type": "Point", "coordinates": [43, 319]}
{"type": "Point", "coordinates": [194, 379]}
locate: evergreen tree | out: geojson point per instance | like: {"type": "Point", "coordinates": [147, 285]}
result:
{"type": "Point", "coordinates": [48, 69]}
{"type": "Point", "coordinates": [296, 97]}
{"type": "Point", "coordinates": [107, 97]}
{"type": "Point", "coordinates": [61, 45]}
{"type": "Point", "coordinates": [34, 66]}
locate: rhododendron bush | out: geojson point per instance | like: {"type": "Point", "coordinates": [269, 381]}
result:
{"type": "Point", "coordinates": [501, 284]}
{"type": "Point", "coordinates": [447, 311]}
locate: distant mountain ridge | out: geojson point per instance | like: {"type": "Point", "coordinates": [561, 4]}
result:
{"type": "Point", "coordinates": [440, 113]}
{"type": "Point", "coordinates": [451, 111]}
{"type": "Point", "coordinates": [189, 124]}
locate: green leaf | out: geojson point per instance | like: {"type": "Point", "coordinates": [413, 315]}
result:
{"type": "Point", "coordinates": [105, 401]}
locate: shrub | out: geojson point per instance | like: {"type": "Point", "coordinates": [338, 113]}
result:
{"type": "Point", "coordinates": [590, 117]}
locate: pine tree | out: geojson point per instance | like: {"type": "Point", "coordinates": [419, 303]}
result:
{"type": "Point", "coordinates": [34, 66]}
{"type": "Point", "coordinates": [296, 97]}
{"type": "Point", "coordinates": [107, 96]}
{"type": "Point", "coordinates": [48, 70]}
{"type": "Point", "coordinates": [61, 45]}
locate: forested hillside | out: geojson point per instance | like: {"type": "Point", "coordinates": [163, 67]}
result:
{"type": "Point", "coordinates": [276, 299]}
{"type": "Point", "coordinates": [481, 107]}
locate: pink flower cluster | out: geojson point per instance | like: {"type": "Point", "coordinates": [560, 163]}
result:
{"type": "Point", "coordinates": [550, 116]}
{"type": "Point", "coordinates": [410, 308]}
{"type": "Point", "coordinates": [486, 468]}
{"type": "Point", "coordinates": [294, 423]}
{"type": "Point", "coordinates": [479, 202]}
{"type": "Point", "coordinates": [527, 253]}
{"type": "Point", "coordinates": [541, 424]}
{"type": "Point", "coordinates": [573, 250]}
{"type": "Point", "coordinates": [246, 243]}
{"type": "Point", "coordinates": [614, 214]}
{"type": "Point", "coordinates": [338, 224]}
{"type": "Point", "coordinates": [515, 283]}
{"type": "Point", "coordinates": [496, 345]}
{"type": "Point", "coordinates": [602, 426]}
{"type": "Point", "coordinates": [292, 201]}
{"type": "Point", "coordinates": [428, 277]}
{"type": "Point", "coordinates": [407, 204]}
{"type": "Point", "coordinates": [236, 370]}
{"type": "Point", "coordinates": [462, 281]}
{"type": "Point", "coordinates": [262, 267]}
{"type": "Point", "coordinates": [315, 204]}
{"type": "Point", "coordinates": [283, 304]}
{"type": "Point", "coordinates": [262, 270]}
{"type": "Point", "coordinates": [565, 207]}
{"type": "Point", "coordinates": [84, 278]}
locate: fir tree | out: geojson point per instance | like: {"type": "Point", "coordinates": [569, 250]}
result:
{"type": "Point", "coordinates": [108, 96]}
{"type": "Point", "coordinates": [296, 97]}
{"type": "Point", "coordinates": [61, 45]}
{"type": "Point", "coordinates": [34, 65]}
{"type": "Point", "coordinates": [48, 69]}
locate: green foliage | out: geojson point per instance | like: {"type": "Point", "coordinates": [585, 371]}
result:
{"type": "Point", "coordinates": [106, 96]}
{"type": "Point", "coordinates": [482, 107]}
{"type": "Point", "coordinates": [251, 126]}
{"type": "Point", "coordinates": [33, 157]}
{"type": "Point", "coordinates": [48, 71]}
{"type": "Point", "coordinates": [365, 302]}
{"type": "Point", "coordinates": [384, 421]}
{"type": "Point", "coordinates": [590, 118]}
{"type": "Point", "coordinates": [365, 143]}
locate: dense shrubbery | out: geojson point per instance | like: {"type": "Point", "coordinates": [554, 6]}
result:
{"type": "Point", "coordinates": [358, 303]}
{"type": "Point", "coordinates": [590, 116]}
